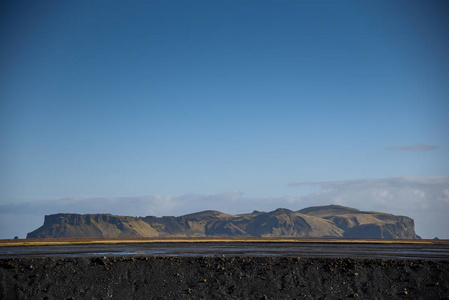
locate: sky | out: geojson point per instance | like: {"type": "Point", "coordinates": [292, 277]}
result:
{"type": "Point", "coordinates": [172, 107]}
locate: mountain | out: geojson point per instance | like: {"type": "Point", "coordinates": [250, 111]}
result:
{"type": "Point", "coordinates": [331, 221]}
{"type": "Point", "coordinates": [365, 224]}
{"type": "Point", "coordinates": [94, 225]}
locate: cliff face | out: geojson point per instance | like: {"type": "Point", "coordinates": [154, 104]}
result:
{"type": "Point", "coordinates": [97, 225]}
{"type": "Point", "coordinates": [314, 222]}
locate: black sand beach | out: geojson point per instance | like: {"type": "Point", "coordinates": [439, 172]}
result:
{"type": "Point", "coordinates": [227, 277]}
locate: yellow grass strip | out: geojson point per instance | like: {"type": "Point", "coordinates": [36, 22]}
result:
{"type": "Point", "coordinates": [80, 241]}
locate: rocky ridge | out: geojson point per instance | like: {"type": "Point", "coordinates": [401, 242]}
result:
{"type": "Point", "coordinates": [331, 221]}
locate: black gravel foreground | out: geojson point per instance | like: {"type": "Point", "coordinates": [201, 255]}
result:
{"type": "Point", "coordinates": [230, 277]}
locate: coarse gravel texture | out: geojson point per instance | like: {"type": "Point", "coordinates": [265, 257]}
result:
{"type": "Point", "coordinates": [227, 277]}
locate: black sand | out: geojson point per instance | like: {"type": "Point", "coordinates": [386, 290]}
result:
{"type": "Point", "coordinates": [230, 277]}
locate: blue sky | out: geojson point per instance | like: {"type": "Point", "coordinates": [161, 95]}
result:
{"type": "Point", "coordinates": [107, 99]}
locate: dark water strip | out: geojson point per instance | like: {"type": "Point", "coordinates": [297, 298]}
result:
{"type": "Point", "coordinates": [354, 250]}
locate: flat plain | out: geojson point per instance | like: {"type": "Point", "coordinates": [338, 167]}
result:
{"type": "Point", "coordinates": [74, 241]}
{"type": "Point", "coordinates": [195, 247]}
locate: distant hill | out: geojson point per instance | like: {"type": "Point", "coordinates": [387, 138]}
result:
{"type": "Point", "coordinates": [331, 221]}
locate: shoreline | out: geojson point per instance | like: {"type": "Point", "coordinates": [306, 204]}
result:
{"type": "Point", "coordinates": [81, 241]}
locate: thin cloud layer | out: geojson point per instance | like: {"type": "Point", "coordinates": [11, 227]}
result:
{"type": "Point", "coordinates": [21, 218]}
{"type": "Point", "coordinates": [425, 199]}
{"type": "Point", "coordinates": [417, 147]}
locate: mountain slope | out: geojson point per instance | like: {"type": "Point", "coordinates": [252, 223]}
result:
{"type": "Point", "coordinates": [313, 222]}
{"type": "Point", "coordinates": [365, 224]}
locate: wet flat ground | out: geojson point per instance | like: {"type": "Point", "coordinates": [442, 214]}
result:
{"type": "Point", "coordinates": [331, 250]}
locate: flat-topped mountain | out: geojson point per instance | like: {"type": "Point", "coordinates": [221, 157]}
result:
{"type": "Point", "coordinates": [331, 221]}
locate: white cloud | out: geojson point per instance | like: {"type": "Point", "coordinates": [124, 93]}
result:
{"type": "Point", "coordinates": [425, 199]}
